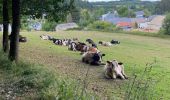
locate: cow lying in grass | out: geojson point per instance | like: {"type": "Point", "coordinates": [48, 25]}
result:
{"type": "Point", "coordinates": [103, 43]}
{"type": "Point", "coordinates": [114, 42]}
{"type": "Point", "coordinates": [92, 58]}
{"type": "Point", "coordinates": [82, 47]}
{"type": "Point", "coordinates": [90, 41]}
{"type": "Point", "coordinates": [114, 70]}
{"type": "Point", "coordinates": [64, 42]}
{"type": "Point", "coordinates": [21, 38]}
{"type": "Point", "coordinates": [46, 37]}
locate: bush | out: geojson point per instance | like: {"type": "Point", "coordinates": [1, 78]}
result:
{"type": "Point", "coordinates": [166, 25]}
{"type": "Point", "coordinates": [101, 25]}
{"type": "Point", "coordinates": [49, 26]}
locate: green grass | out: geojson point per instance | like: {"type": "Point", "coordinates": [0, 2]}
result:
{"type": "Point", "coordinates": [134, 51]}
{"type": "Point", "coordinates": [34, 82]}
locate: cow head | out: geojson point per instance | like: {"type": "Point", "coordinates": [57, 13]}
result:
{"type": "Point", "coordinates": [97, 58]}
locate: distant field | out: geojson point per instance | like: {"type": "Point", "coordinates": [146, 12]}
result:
{"type": "Point", "coordinates": [134, 51]}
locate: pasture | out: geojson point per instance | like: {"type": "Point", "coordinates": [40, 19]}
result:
{"type": "Point", "coordinates": [134, 51]}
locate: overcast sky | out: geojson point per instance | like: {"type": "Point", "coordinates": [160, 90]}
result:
{"type": "Point", "coordinates": [117, 0]}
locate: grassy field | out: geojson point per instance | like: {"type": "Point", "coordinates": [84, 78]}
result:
{"type": "Point", "coordinates": [134, 51]}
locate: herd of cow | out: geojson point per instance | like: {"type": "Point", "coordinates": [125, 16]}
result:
{"type": "Point", "coordinates": [92, 55]}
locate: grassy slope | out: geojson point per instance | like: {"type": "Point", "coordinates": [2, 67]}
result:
{"type": "Point", "coordinates": [133, 51]}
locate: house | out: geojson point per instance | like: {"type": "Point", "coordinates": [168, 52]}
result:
{"type": "Point", "coordinates": [139, 14]}
{"type": "Point", "coordinates": [66, 26]}
{"type": "Point", "coordinates": [156, 23]}
{"type": "Point", "coordinates": [37, 26]}
{"type": "Point", "coordinates": [143, 25]}
{"type": "Point", "coordinates": [125, 25]}
{"type": "Point", "coordinates": [109, 16]}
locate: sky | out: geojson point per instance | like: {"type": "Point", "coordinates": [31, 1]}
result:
{"type": "Point", "coordinates": [117, 0]}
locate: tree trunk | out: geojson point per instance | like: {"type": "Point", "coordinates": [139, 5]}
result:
{"type": "Point", "coordinates": [5, 26]}
{"type": "Point", "coordinates": [14, 41]}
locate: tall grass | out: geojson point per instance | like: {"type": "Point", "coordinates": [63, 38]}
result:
{"type": "Point", "coordinates": [43, 83]}
{"type": "Point", "coordinates": [142, 86]}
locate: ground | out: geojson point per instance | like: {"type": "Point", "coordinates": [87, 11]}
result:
{"type": "Point", "coordinates": [134, 51]}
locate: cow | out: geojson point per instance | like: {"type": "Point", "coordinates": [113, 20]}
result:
{"type": "Point", "coordinates": [115, 42]}
{"type": "Point", "coordinates": [57, 41]}
{"type": "Point", "coordinates": [103, 43]}
{"type": "Point", "coordinates": [46, 37]}
{"type": "Point", "coordinates": [90, 41]}
{"type": "Point", "coordinates": [72, 46]}
{"type": "Point", "coordinates": [92, 58]}
{"type": "Point", "coordinates": [21, 38]}
{"type": "Point", "coordinates": [114, 70]}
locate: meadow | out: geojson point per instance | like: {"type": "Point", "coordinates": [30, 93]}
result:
{"type": "Point", "coordinates": [136, 52]}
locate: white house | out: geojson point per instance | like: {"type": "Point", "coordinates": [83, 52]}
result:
{"type": "Point", "coordinates": [143, 25]}
{"type": "Point", "coordinates": [139, 14]}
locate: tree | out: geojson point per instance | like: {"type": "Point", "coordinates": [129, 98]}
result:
{"type": "Point", "coordinates": [166, 25]}
{"type": "Point", "coordinates": [14, 40]}
{"type": "Point", "coordinates": [85, 18]}
{"type": "Point", "coordinates": [147, 13]}
{"type": "Point", "coordinates": [125, 12]}
{"type": "Point", "coordinates": [163, 7]}
{"type": "Point", "coordinates": [5, 26]}
{"type": "Point", "coordinates": [56, 10]}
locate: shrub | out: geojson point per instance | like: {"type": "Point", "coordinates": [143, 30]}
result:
{"type": "Point", "coordinates": [101, 25]}
{"type": "Point", "coordinates": [49, 26]}
{"type": "Point", "coordinates": [166, 25]}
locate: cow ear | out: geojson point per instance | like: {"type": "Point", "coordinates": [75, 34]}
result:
{"type": "Point", "coordinates": [120, 63]}
{"type": "Point", "coordinates": [103, 54]}
{"type": "Point", "coordinates": [109, 62]}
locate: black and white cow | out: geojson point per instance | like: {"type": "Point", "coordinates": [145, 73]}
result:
{"type": "Point", "coordinates": [57, 41]}
{"type": "Point", "coordinates": [21, 38]}
{"type": "Point", "coordinates": [92, 58]}
{"type": "Point", "coordinates": [90, 41]}
{"type": "Point", "coordinates": [103, 43]}
{"type": "Point", "coordinates": [115, 42]}
{"type": "Point", "coordinates": [72, 46]}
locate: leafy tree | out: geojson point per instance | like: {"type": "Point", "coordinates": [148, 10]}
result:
{"type": "Point", "coordinates": [85, 18]}
{"type": "Point", "coordinates": [147, 13]}
{"type": "Point", "coordinates": [166, 25]}
{"type": "Point", "coordinates": [56, 10]}
{"type": "Point", "coordinates": [163, 7]}
{"type": "Point", "coordinates": [125, 12]}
